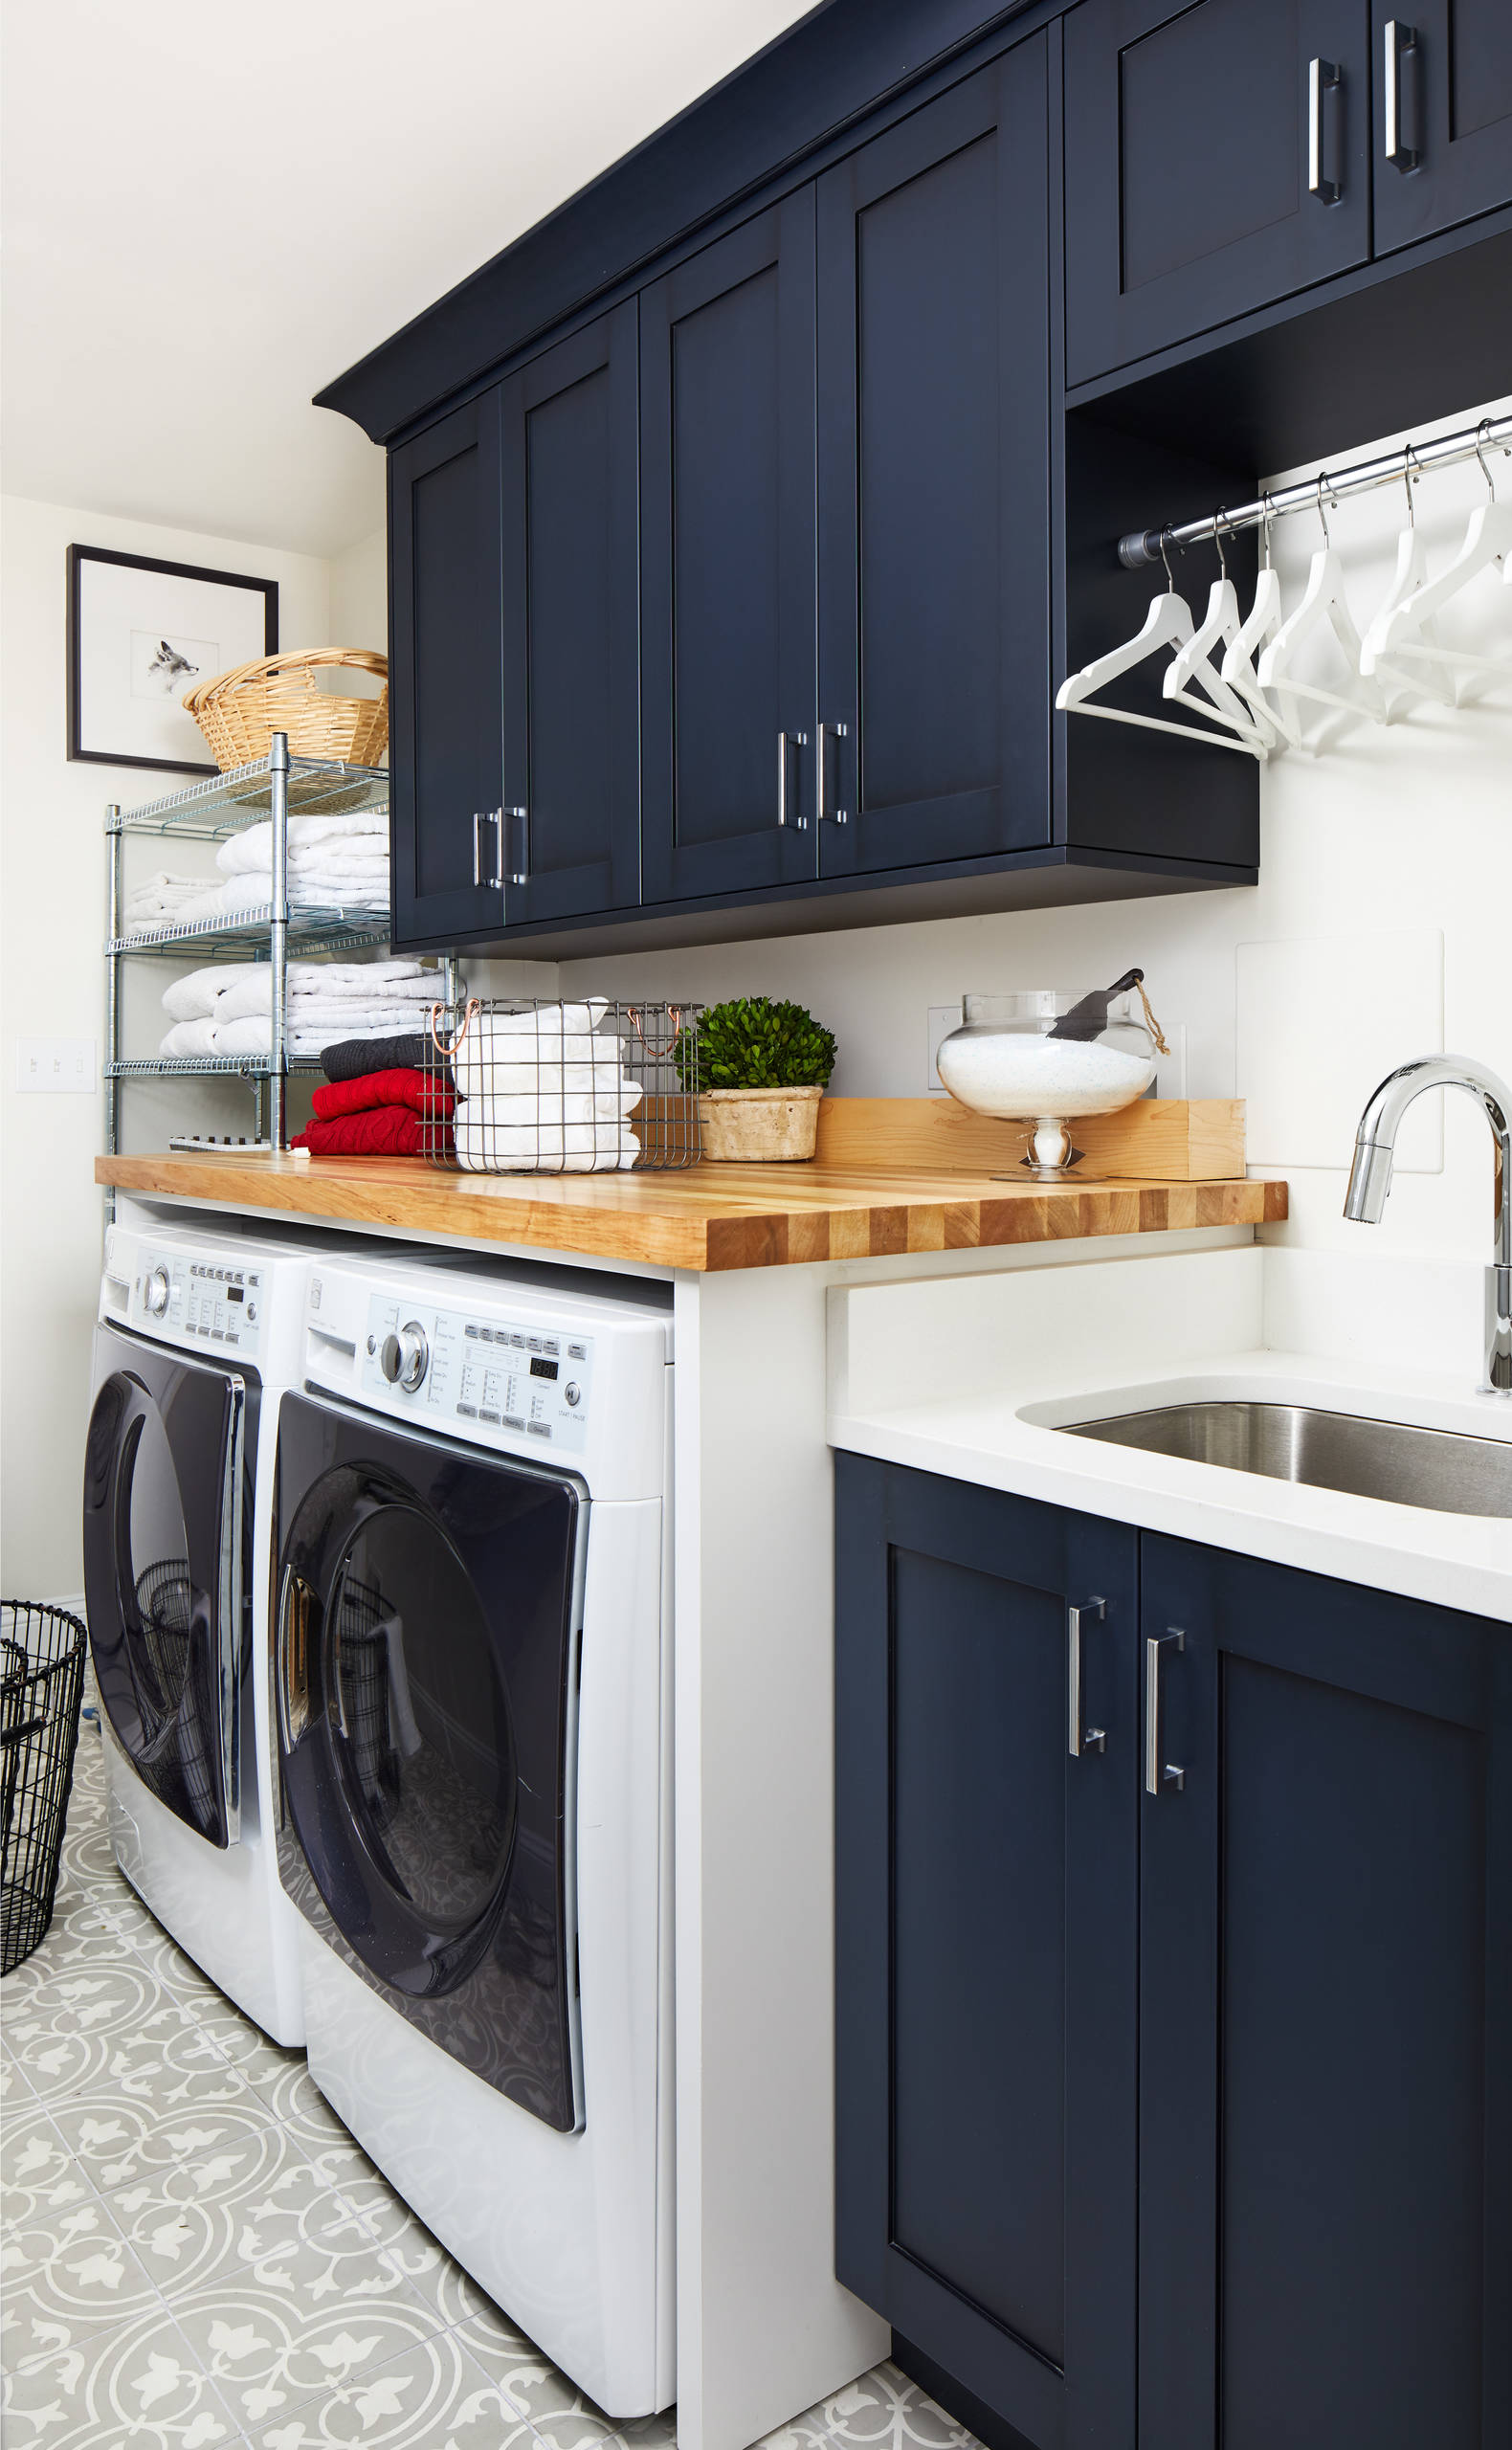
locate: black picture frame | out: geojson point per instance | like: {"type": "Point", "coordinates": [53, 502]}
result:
{"type": "Point", "coordinates": [77, 556]}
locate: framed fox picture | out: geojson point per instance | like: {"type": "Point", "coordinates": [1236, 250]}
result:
{"type": "Point", "coordinates": [141, 634]}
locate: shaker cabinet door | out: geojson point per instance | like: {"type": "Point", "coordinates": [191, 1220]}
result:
{"type": "Point", "coordinates": [1443, 116]}
{"type": "Point", "coordinates": [1325, 2014]}
{"type": "Point", "coordinates": [571, 840]}
{"type": "Point", "coordinates": [1217, 158]}
{"type": "Point", "coordinates": [728, 573]}
{"type": "Point", "coordinates": [446, 685]}
{"type": "Point", "coordinates": [987, 1913]}
{"type": "Point", "coordinates": [934, 588]}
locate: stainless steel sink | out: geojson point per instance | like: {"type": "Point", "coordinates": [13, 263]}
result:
{"type": "Point", "coordinates": [1383, 1459]}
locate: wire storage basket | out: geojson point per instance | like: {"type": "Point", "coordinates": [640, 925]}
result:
{"type": "Point", "coordinates": [41, 1686]}
{"type": "Point", "coordinates": [526, 1085]}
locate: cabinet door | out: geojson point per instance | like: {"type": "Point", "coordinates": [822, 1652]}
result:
{"type": "Point", "coordinates": [934, 592]}
{"type": "Point", "coordinates": [1326, 2016]}
{"type": "Point", "coordinates": [571, 627]}
{"type": "Point", "coordinates": [727, 569]}
{"type": "Point", "coordinates": [987, 1941]}
{"type": "Point", "coordinates": [1211, 164]}
{"type": "Point", "coordinates": [445, 658]}
{"type": "Point", "coordinates": [1443, 116]}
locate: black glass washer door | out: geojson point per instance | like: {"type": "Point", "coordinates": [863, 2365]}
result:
{"type": "Point", "coordinates": [425, 1723]}
{"type": "Point", "coordinates": [166, 1571]}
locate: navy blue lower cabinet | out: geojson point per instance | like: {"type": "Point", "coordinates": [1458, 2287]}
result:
{"type": "Point", "coordinates": [987, 1911]}
{"type": "Point", "coordinates": [1325, 2016]}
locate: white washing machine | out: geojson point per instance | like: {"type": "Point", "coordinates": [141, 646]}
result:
{"type": "Point", "coordinates": [200, 1330]}
{"type": "Point", "coordinates": [472, 1687]}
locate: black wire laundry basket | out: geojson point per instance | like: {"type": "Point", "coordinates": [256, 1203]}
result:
{"type": "Point", "coordinates": [41, 1686]}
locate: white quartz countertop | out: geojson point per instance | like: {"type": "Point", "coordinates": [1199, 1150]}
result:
{"type": "Point", "coordinates": [969, 1379]}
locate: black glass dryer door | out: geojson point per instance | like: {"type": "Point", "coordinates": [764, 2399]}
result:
{"type": "Point", "coordinates": [423, 1690]}
{"type": "Point", "coordinates": [167, 1524]}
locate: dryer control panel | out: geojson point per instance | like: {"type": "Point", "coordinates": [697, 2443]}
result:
{"type": "Point", "coordinates": [449, 1366]}
{"type": "Point", "coordinates": [183, 1299]}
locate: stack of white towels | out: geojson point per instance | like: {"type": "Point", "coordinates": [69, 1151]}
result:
{"type": "Point", "coordinates": [335, 864]}
{"type": "Point", "coordinates": [228, 1008]}
{"type": "Point", "coordinates": [543, 1092]}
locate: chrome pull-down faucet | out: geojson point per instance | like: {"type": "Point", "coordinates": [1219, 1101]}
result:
{"type": "Point", "coordinates": [1371, 1179]}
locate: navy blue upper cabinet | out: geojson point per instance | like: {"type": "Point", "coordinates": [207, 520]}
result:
{"type": "Point", "coordinates": [933, 409]}
{"type": "Point", "coordinates": [986, 1926]}
{"type": "Point", "coordinates": [445, 653]}
{"type": "Point", "coordinates": [1217, 158]}
{"type": "Point", "coordinates": [1443, 115]}
{"type": "Point", "coordinates": [572, 834]}
{"type": "Point", "coordinates": [727, 571]}
{"type": "Point", "coordinates": [1326, 2016]}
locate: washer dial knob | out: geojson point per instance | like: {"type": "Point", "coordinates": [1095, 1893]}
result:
{"type": "Point", "coordinates": [404, 1358]}
{"type": "Point", "coordinates": [155, 1293]}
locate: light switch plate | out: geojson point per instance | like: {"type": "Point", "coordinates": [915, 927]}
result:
{"type": "Point", "coordinates": [55, 1067]}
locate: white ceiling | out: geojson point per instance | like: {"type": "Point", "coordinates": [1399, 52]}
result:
{"type": "Point", "coordinates": [211, 209]}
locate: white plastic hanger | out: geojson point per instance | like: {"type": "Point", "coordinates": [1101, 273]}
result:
{"type": "Point", "coordinates": [1192, 669]}
{"type": "Point", "coordinates": [1167, 624]}
{"type": "Point", "coordinates": [1410, 573]}
{"type": "Point", "coordinates": [1398, 633]}
{"type": "Point", "coordinates": [1237, 668]}
{"type": "Point", "coordinates": [1323, 600]}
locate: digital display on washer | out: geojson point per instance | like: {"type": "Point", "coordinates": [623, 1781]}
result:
{"type": "Point", "coordinates": [540, 1368]}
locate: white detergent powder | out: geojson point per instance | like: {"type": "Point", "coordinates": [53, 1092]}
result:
{"type": "Point", "coordinates": [1021, 1076]}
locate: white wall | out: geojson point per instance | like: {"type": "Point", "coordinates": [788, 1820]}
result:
{"type": "Point", "coordinates": [52, 981]}
{"type": "Point", "coordinates": [1406, 827]}
{"type": "Point", "coordinates": [359, 612]}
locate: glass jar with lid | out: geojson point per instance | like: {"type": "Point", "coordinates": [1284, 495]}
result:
{"type": "Point", "coordinates": [1043, 1056]}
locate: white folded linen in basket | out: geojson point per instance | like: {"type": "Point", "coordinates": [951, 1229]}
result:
{"type": "Point", "coordinates": [547, 1111]}
{"type": "Point", "coordinates": [498, 1149]}
{"type": "Point", "coordinates": [492, 1041]}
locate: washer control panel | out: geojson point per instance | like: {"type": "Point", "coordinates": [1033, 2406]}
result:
{"type": "Point", "coordinates": [197, 1301]}
{"type": "Point", "coordinates": [465, 1370]}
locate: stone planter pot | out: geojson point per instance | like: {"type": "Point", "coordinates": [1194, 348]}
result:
{"type": "Point", "coordinates": [759, 1127]}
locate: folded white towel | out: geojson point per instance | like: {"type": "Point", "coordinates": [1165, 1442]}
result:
{"type": "Point", "coordinates": [549, 1112]}
{"type": "Point", "coordinates": [252, 849]}
{"type": "Point", "coordinates": [547, 1079]}
{"type": "Point", "coordinates": [159, 898]}
{"type": "Point", "coordinates": [318, 990]}
{"type": "Point", "coordinates": [191, 1038]}
{"type": "Point", "coordinates": [197, 996]}
{"type": "Point", "coordinates": [605, 1147]}
{"type": "Point", "coordinates": [242, 897]}
{"type": "Point", "coordinates": [362, 977]}
{"type": "Point", "coordinates": [494, 1040]}
{"type": "Point", "coordinates": [545, 1020]}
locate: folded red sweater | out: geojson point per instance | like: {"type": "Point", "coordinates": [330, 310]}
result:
{"type": "Point", "coordinates": [422, 1092]}
{"type": "Point", "coordinates": [378, 1131]}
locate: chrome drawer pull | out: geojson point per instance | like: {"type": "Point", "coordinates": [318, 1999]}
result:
{"type": "Point", "coordinates": [1081, 1739]}
{"type": "Point", "coordinates": [1158, 1773]}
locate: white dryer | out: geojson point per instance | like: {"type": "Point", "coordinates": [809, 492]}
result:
{"type": "Point", "coordinates": [472, 1723]}
{"type": "Point", "coordinates": [200, 1328]}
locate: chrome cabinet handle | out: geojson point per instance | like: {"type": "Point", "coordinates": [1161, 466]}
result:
{"type": "Point", "coordinates": [1323, 77]}
{"type": "Point", "coordinates": [494, 817]}
{"type": "Point", "coordinates": [1403, 60]}
{"type": "Point", "coordinates": [521, 873]}
{"type": "Point", "coordinates": [828, 732]}
{"type": "Point", "coordinates": [1158, 1772]}
{"type": "Point", "coordinates": [787, 739]}
{"type": "Point", "coordinates": [1081, 1739]}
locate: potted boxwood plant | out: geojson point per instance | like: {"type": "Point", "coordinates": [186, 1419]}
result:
{"type": "Point", "coordinates": [759, 1071]}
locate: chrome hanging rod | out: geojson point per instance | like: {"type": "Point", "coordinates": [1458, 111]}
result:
{"type": "Point", "coordinates": [1136, 552]}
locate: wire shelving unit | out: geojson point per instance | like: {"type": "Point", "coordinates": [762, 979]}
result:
{"type": "Point", "coordinates": [274, 789]}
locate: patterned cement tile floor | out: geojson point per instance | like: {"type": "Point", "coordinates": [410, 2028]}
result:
{"type": "Point", "coordinates": [198, 2257]}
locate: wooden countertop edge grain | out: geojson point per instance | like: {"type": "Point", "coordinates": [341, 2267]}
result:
{"type": "Point", "coordinates": [708, 1218]}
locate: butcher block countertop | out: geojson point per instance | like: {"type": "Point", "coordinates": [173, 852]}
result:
{"type": "Point", "coordinates": [713, 1217]}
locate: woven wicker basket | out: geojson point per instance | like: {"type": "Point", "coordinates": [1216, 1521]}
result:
{"type": "Point", "coordinates": [239, 711]}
